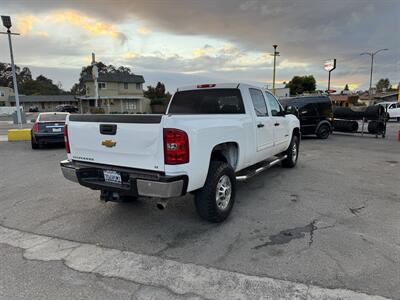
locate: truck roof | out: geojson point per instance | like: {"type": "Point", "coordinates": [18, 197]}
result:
{"type": "Point", "coordinates": [232, 85]}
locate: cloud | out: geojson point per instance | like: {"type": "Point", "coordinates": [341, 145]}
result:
{"type": "Point", "coordinates": [89, 24]}
{"type": "Point", "coordinates": [25, 23]}
{"type": "Point", "coordinates": [143, 31]}
{"type": "Point", "coordinates": [307, 32]}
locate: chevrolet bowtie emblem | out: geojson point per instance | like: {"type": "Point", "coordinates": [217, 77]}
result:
{"type": "Point", "coordinates": [108, 143]}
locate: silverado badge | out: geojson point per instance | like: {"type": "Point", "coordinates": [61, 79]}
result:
{"type": "Point", "coordinates": [108, 143]}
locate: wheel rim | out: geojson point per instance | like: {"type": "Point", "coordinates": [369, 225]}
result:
{"type": "Point", "coordinates": [294, 152]}
{"type": "Point", "coordinates": [223, 192]}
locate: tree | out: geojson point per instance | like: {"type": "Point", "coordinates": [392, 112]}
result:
{"type": "Point", "coordinates": [301, 84]}
{"type": "Point", "coordinates": [157, 94]}
{"type": "Point", "coordinates": [353, 99]}
{"type": "Point", "coordinates": [40, 86]}
{"type": "Point", "coordinates": [346, 88]}
{"type": "Point", "coordinates": [79, 88]}
{"type": "Point", "coordinates": [383, 84]}
{"type": "Point", "coordinates": [6, 75]}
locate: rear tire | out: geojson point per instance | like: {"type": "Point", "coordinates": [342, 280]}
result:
{"type": "Point", "coordinates": [323, 131]}
{"type": "Point", "coordinates": [34, 144]}
{"type": "Point", "coordinates": [292, 153]}
{"type": "Point", "coordinates": [215, 200]}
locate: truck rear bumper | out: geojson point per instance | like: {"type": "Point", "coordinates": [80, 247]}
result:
{"type": "Point", "coordinates": [134, 182]}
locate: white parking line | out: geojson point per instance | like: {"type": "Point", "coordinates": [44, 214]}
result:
{"type": "Point", "coordinates": [180, 278]}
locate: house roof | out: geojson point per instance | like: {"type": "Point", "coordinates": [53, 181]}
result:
{"type": "Point", "coordinates": [117, 77]}
{"type": "Point", "coordinates": [379, 95]}
{"type": "Point", "coordinates": [41, 98]}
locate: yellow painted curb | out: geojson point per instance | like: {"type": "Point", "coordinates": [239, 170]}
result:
{"type": "Point", "coordinates": [19, 135]}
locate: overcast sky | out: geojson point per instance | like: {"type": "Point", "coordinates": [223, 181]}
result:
{"type": "Point", "coordinates": [199, 41]}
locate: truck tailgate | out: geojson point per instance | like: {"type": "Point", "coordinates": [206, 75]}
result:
{"type": "Point", "coordinates": [133, 141]}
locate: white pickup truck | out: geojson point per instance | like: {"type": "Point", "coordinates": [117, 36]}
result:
{"type": "Point", "coordinates": [211, 136]}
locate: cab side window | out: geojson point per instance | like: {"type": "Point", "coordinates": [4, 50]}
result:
{"type": "Point", "coordinates": [308, 110]}
{"type": "Point", "coordinates": [259, 104]}
{"type": "Point", "coordinates": [276, 109]}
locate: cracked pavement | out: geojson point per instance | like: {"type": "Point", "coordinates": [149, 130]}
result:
{"type": "Point", "coordinates": [347, 185]}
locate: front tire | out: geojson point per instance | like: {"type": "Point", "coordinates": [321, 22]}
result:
{"type": "Point", "coordinates": [215, 200]}
{"type": "Point", "coordinates": [292, 153]}
{"type": "Point", "coordinates": [323, 132]}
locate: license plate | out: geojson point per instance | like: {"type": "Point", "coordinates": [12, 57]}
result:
{"type": "Point", "coordinates": [56, 129]}
{"type": "Point", "coordinates": [112, 177]}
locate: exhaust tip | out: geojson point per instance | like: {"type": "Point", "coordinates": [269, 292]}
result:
{"type": "Point", "coordinates": [161, 205]}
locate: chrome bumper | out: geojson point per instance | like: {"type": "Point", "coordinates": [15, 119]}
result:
{"type": "Point", "coordinates": [143, 187]}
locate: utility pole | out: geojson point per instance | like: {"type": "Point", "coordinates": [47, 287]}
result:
{"type": "Point", "coordinates": [372, 54]}
{"type": "Point", "coordinates": [275, 54]}
{"type": "Point", "coordinates": [7, 23]}
{"type": "Point", "coordinates": [95, 74]}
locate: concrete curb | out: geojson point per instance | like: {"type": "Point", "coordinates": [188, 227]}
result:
{"type": "Point", "coordinates": [19, 135]}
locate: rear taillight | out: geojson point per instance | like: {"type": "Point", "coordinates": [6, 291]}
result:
{"type": "Point", "coordinates": [176, 147]}
{"type": "Point", "coordinates": [66, 141]}
{"type": "Point", "coordinates": [35, 127]}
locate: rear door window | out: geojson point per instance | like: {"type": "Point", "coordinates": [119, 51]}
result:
{"type": "Point", "coordinates": [207, 101]}
{"type": "Point", "coordinates": [260, 107]}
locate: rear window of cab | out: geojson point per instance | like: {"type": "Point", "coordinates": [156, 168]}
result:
{"type": "Point", "coordinates": [207, 101]}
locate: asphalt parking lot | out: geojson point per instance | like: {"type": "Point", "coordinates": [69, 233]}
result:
{"type": "Point", "coordinates": [331, 222]}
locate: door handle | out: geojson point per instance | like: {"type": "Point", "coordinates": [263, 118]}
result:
{"type": "Point", "coordinates": [277, 124]}
{"type": "Point", "coordinates": [260, 125]}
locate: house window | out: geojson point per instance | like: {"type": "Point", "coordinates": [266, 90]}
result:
{"type": "Point", "coordinates": [125, 85]}
{"type": "Point", "coordinates": [2, 94]}
{"type": "Point", "coordinates": [87, 90]}
{"type": "Point", "coordinates": [138, 86]}
{"type": "Point", "coordinates": [130, 104]}
{"type": "Point", "coordinates": [42, 104]}
{"type": "Point", "coordinates": [91, 103]}
{"type": "Point", "coordinates": [102, 85]}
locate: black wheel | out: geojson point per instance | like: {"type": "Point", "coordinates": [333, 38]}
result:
{"type": "Point", "coordinates": [323, 131]}
{"type": "Point", "coordinates": [34, 144]}
{"type": "Point", "coordinates": [292, 153]}
{"type": "Point", "coordinates": [215, 200]}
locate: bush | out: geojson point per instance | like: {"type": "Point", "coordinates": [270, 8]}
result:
{"type": "Point", "coordinates": [97, 110]}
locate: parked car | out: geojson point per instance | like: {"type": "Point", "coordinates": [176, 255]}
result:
{"type": "Point", "coordinates": [67, 108]}
{"type": "Point", "coordinates": [33, 109]}
{"type": "Point", "coordinates": [392, 109]}
{"type": "Point", "coordinates": [314, 112]}
{"type": "Point", "coordinates": [211, 136]}
{"type": "Point", "coordinates": [48, 129]}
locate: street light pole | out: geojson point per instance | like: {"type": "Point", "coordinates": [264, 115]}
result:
{"type": "Point", "coordinates": [7, 23]}
{"type": "Point", "coordinates": [275, 54]}
{"type": "Point", "coordinates": [372, 54]}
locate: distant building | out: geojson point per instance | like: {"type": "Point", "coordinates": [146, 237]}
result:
{"type": "Point", "coordinates": [340, 100]}
{"type": "Point", "coordinates": [43, 103]}
{"type": "Point", "coordinates": [5, 93]}
{"type": "Point", "coordinates": [379, 97]}
{"type": "Point", "coordinates": [281, 92]}
{"type": "Point", "coordinates": [118, 93]}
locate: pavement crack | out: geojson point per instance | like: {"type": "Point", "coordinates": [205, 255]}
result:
{"type": "Point", "coordinates": [356, 211]}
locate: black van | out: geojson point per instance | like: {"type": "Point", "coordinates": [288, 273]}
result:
{"type": "Point", "coordinates": [314, 112]}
